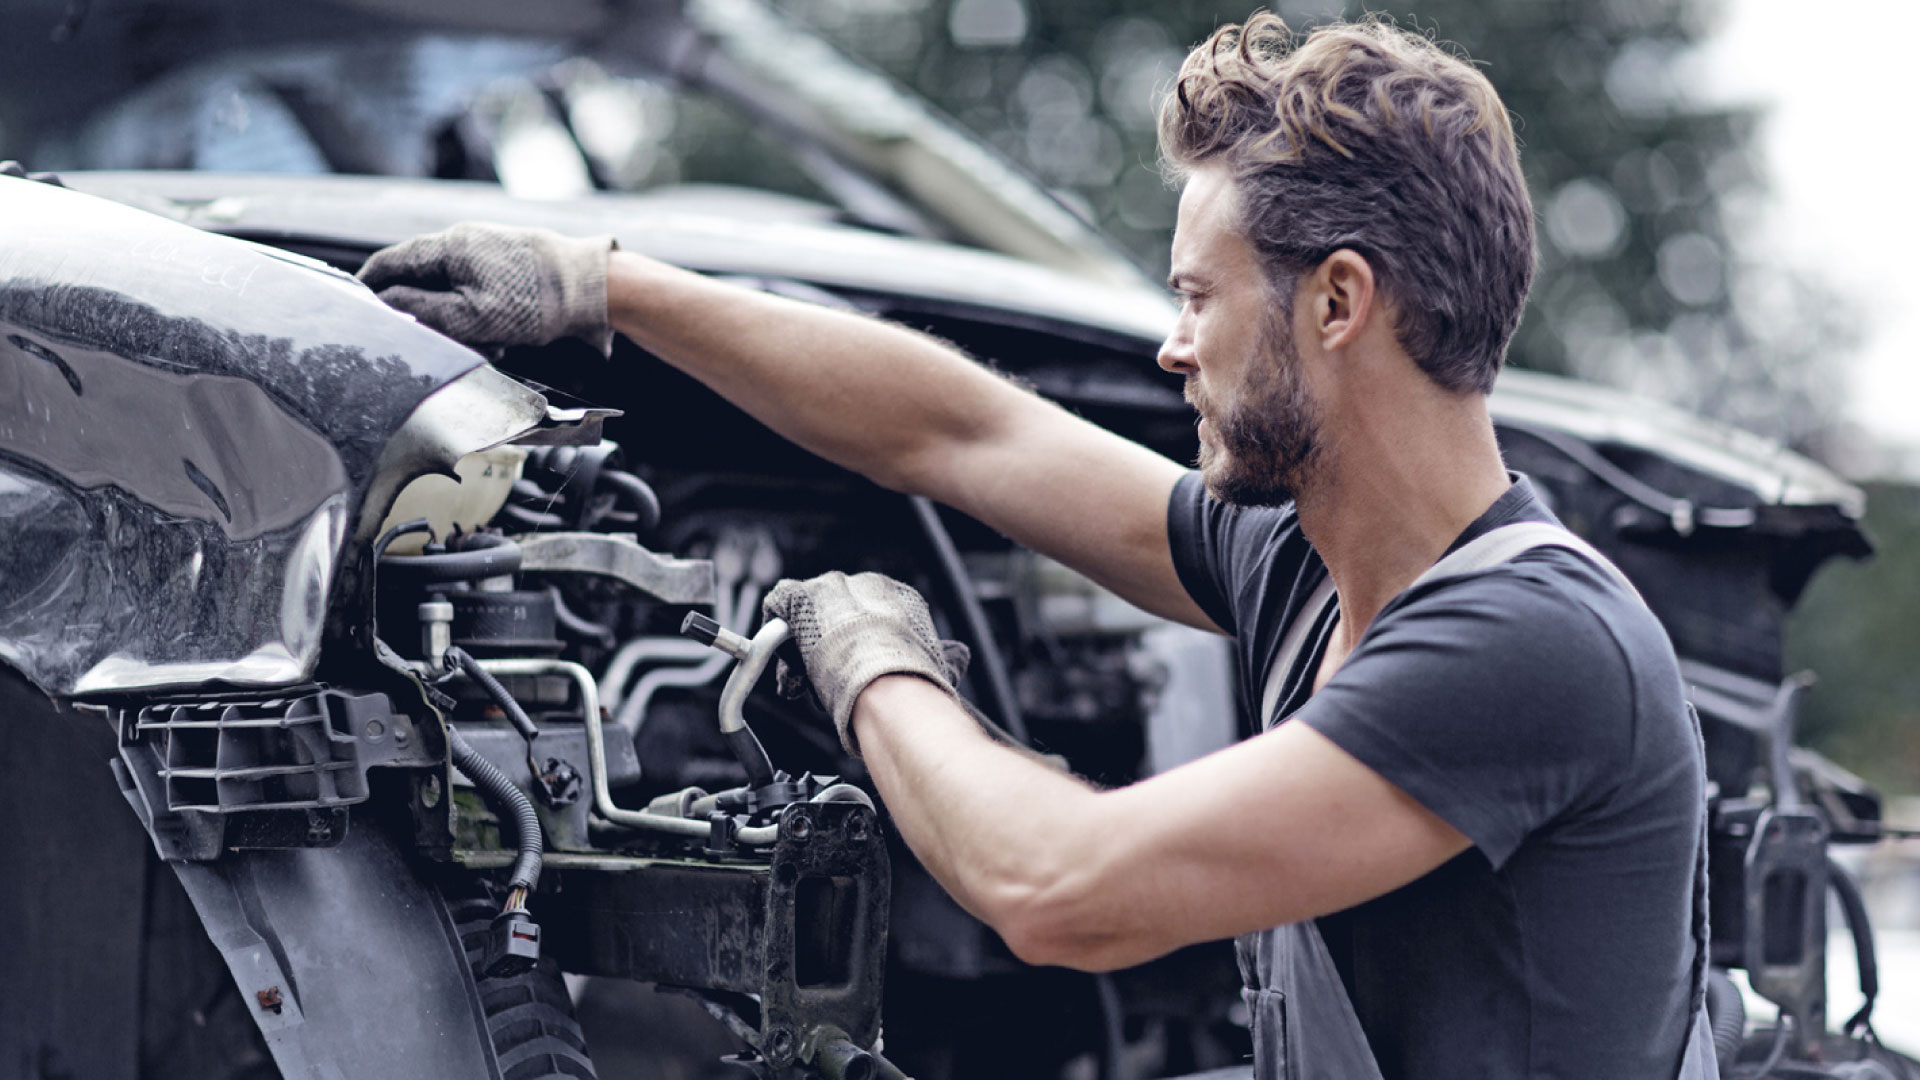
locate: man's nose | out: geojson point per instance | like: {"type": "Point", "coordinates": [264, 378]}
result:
{"type": "Point", "coordinates": [1177, 354]}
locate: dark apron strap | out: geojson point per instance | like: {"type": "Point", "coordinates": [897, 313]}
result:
{"type": "Point", "coordinates": [1304, 1025]}
{"type": "Point", "coordinates": [1699, 1061]}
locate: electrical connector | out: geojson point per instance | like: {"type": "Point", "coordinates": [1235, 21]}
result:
{"type": "Point", "coordinates": [513, 945]}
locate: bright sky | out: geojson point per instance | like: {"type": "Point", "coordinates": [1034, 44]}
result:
{"type": "Point", "coordinates": [1841, 145]}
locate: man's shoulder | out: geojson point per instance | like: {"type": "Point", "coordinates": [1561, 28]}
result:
{"type": "Point", "coordinates": [1549, 592]}
{"type": "Point", "coordinates": [1548, 630]}
{"type": "Point", "coordinates": [1241, 564]}
{"type": "Point", "coordinates": [1248, 524]}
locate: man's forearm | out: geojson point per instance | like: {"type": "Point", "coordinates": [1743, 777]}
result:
{"type": "Point", "coordinates": [1007, 835]}
{"type": "Point", "coordinates": [869, 395]}
{"type": "Point", "coordinates": [916, 415]}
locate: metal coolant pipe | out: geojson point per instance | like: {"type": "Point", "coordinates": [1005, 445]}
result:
{"type": "Point", "coordinates": [597, 758]}
{"type": "Point", "coordinates": [733, 696]}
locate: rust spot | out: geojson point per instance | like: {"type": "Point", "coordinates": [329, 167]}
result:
{"type": "Point", "coordinates": [270, 1000]}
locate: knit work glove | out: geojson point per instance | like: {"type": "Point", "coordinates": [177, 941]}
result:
{"type": "Point", "coordinates": [491, 286]}
{"type": "Point", "coordinates": [852, 630]}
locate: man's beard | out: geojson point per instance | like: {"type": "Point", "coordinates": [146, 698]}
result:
{"type": "Point", "coordinates": [1268, 439]}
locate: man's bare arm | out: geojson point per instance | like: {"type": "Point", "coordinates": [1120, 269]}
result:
{"type": "Point", "coordinates": [1283, 827]}
{"type": "Point", "coordinates": [915, 415]}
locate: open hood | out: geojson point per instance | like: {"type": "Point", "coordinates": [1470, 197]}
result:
{"type": "Point", "coordinates": [885, 155]}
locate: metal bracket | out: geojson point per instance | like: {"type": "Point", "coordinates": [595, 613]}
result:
{"type": "Point", "coordinates": [234, 772]}
{"type": "Point", "coordinates": [620, 557]}
{"type": "Point", "coordinates": [569, 427]}
{"type": "Point", "coordinates": [803, 936]}
{"type": "Point", "coordinates": [1786, 917]}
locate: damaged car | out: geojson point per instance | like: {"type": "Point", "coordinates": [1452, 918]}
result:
{"type": "Point", "coordinates": [377, 708]}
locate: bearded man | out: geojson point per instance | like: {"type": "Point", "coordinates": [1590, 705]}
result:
{"type": "Point", "coordinates": [1468, 842]}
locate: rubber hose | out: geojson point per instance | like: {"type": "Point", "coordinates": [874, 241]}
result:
{"type": "Point", "coordinates": [646, 503]}
{"type": "Point", "coordinates": [405, 528]}
{"type": "Point", "coordinates": [498, 560]}
{"type": "Point", "coordinates": [1727, 1016]}
{"type": "Point", "coordinates": [1854, 906]}
{"type": "Point", "coordinates": [533, 520]}
{"type": "Point", "coordinates": [985, 647]}
{"type": "Point", "coordinates": [574, 623]}
{"type": "Point", "coordinates": [515, 714]}
{"type": "Point", "coordinates": [500, 791]}
{"type": "Point", "coordinates": [751, 755]}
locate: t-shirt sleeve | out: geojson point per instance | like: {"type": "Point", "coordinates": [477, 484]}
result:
{"type": "Point", "coordinates": [1200, 531]}
{"type": "Point", "coordinates": [1497, 702]}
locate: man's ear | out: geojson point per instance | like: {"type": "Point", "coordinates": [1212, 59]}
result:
{"type": "Point", "coordinates": [1345, 299]}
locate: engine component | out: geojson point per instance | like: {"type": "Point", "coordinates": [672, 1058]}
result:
{"type": "Point", "coordinates": [513, 945]}
{"type": "Point", "coordinates": [754, 656]}
{"type": "Point", "coordinates": [1013, 725]}
{"type": "Point", "coordinates": [794, 945]}
{"type": "Point", "coordinates": [743, 564]}
{"type": "Point", "coordinates": [464, 502]}
{"type": "Point", "coordinates": [622, 558]}
{"type": "Point", "coordinates": [465, 557]}
{"type": "Point", "coordinates": [580, 488]}
{"type": "Point", "coordinates": [506, 623]}
{"type": "Point", "coordinates": [501, 791]}
{"type": "Point", "coordinates": [257, 773]}
{"type": "Point", "coordinates": [722, 832]}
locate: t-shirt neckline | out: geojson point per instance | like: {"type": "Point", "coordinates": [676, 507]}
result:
{"type": "Point", "coordinates": [1517, 503]}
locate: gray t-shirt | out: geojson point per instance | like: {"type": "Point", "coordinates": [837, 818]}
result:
{"type": "Point", "coordinates": [1537, 707]}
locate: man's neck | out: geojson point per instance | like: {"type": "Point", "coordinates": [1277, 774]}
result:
{"type": "Point", "coordinates": [1394, 496]}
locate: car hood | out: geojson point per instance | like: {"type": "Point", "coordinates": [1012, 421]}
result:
{"type": "Point", "coordinates": [714, 229]}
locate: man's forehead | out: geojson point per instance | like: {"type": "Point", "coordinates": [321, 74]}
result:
{"type": "Point", "coordinates": [1205, 187]}
{"type": "Point", "coordinates": [1207, 223]}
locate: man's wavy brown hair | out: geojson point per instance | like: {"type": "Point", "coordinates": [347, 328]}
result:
{"type": "Point", "coordinates": [1366, 137]}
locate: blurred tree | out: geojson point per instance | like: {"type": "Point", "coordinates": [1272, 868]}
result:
{"type": "Point", "coordinates": [1854, 628]}
{"type": "Point", "coordinates": [1643, 196]}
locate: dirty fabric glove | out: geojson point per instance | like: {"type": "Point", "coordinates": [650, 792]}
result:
{"type": "Point", "coordinates": [852, 630]}
{"type": "Point", "coordinates": [491, 286]}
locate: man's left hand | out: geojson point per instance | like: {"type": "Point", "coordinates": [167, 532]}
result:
{"type": "Point", "coordinates": [493, 286]}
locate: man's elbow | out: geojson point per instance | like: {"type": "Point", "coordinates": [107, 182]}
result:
{"type": "Point", "coordinates": [1055, 928]}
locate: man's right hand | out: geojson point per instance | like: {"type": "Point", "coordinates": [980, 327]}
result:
{"type": "Point", "coordinates": [492, 286]}
{"type": "Point", "coordinates": [852, 630]}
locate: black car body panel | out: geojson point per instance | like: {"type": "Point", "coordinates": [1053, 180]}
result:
{"type": "Point", "coordinates": [189, 428]}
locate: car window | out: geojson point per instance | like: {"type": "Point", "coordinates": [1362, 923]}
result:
{"type": "Point", "coordinates": [523, 112]}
